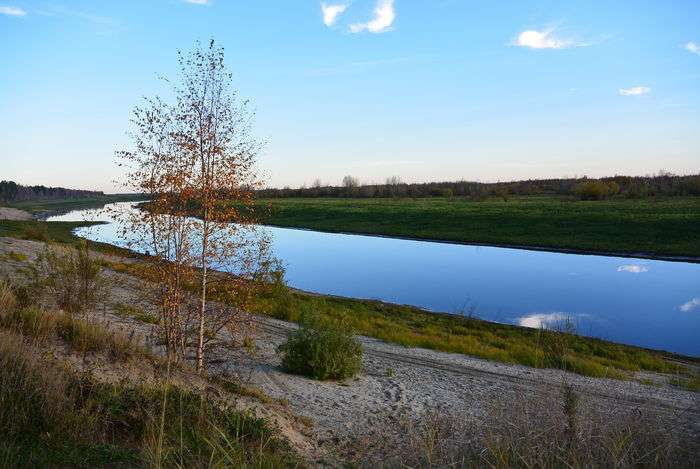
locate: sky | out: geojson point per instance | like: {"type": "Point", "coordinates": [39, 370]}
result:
{"type": "Point", "coordinates": [421, 89]}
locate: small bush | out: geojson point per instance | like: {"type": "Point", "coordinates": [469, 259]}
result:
{"type": "Point", "coordinates": [283, 304]}
{"type": "Point", "coordinates": [322, 349]}
{"type": "Point", "coordinates": [73, 278]}
{"type": "Point", "coordinates": [595, 190]}
{"type": "Point", "coordinates": [278, 298]}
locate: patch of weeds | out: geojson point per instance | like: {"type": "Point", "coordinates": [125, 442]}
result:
{"type": "Point", "coordinates": [147, 318]}
{"type": "Point", "coordinates": [234, 386]}
{"type": "Point", "coordinates": [249, 345]}
{"type": "Point", "coordinates": [16, 256]}
{"type": "Point", "coordinates": [128, 311]}
{"type": "Point", "coordinates": [689, 384]}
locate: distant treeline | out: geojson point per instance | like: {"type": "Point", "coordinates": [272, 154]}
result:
{"type": "Point", "coordinates": [663, 184]}
{"type": "Point", "coordinates": [12, 192]}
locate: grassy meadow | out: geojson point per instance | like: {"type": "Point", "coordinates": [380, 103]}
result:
{"type": "Point", "coordinates": [654, 226]}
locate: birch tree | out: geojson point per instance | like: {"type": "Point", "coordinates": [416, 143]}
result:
{"type": "Point", "coordinates": [197, 156]}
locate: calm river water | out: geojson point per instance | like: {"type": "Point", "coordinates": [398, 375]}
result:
{"type": "Point", "coordinates": [649, 303]}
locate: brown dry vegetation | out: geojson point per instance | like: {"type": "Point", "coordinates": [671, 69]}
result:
{"type": "Point", "coordinates": [55, 411]}
{"type": "Point", "coordinates": [533, 433]}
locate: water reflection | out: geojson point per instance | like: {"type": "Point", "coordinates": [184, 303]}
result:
{"type": "Point", "coordinates": [507, 285]}
{"type": "Point", "coordinates": [544, 320]}
{"type": "Point", "coordinates": [635, 269]}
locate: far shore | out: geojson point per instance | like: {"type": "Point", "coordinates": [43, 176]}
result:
{"type": "Point", "coordinates": [524, 247]}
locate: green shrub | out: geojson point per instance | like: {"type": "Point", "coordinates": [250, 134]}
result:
{"type": "Point", "coordinates": [322, 349]}
{"type": "Point", "coordinates": [595, 190]}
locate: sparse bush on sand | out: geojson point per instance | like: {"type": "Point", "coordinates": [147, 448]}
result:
{"type": "Point", "coordinates": [322, 349]}
{"type": "Point", "coordinates": [72, 278]}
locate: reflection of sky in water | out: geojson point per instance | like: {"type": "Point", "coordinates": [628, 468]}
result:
{"type": "Point", "coordinates": [633, 269]}
{"type": "Point", "coordinates": [659, 308]}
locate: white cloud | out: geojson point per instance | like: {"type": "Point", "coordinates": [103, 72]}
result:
{"type": "Point", "coordinates": [384, 16]}
{"type": "Point", "coordinates": [12, 11]}
{"type": "Point", "coordinates": [635, 269]}
{"type": "Point", "coordinates": [332, 12]}
{"type": "Point", "coordinates": [198, 2]}
{"type": "Point", "coordinates": [690, 305]}
{"type": "Point", "coordinates": [542, 320]}
{"type": "Point", "coordinates": [543, 40]}
{"type": "Point", "coordinates": [693, 48]}
{"type": "Point", "coordinates": [635, 91]}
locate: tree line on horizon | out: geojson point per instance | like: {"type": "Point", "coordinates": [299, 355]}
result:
{"type": "Point", "coordinates": [633, 187]}
{"type": "Point", "coordinates": [10, 191]}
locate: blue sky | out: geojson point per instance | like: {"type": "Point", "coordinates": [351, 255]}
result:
{"type": "Point", "coordinates": [426, 90]}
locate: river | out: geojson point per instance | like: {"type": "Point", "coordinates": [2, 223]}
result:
{"type": "Point", "coordinates": [643, 302]}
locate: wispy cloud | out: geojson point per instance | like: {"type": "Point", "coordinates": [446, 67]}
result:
{"type": "Point", "coordinates": [635, 91]}
{"type": "Point", "coordinates": [634, 268]}
{"type": "Point", "coordinates": [103, 24]}
{"type": "Point", "coordinates": [690, 305]}
{"type": "Point", "coordinates": [198, 2]}
{"type": "Point", "coordinates": [384, 16]}
{"type": "Point", "coordinates": [545, 39]}
{"type": "Point", "coordinates": [332, 12]}
{"type": "Point", "coordinates": [12, 11]}
{"type": "Point", "coordinates": [693, 48]}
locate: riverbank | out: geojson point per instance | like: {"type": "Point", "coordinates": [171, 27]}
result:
{"type": "Point", "coordinates": [42, 209]}
{"type": "Point", "coordinates": [351, 420]}
{"type": "Point", "coordinates": [654, 228]}
{"type": "Point", "coordinates": [411, 326]}
{"type": "Point", "coordinates": [7, 213]}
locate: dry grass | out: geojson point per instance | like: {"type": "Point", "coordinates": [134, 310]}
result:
{"type": "Point", "coordinates": [83, 336]}
{"type": "Point", "coordinates": [51, 416]}
{"type": "Point", "coordinates": [70, 278]}
{"type": "Point", "coordinates": [535, 432]}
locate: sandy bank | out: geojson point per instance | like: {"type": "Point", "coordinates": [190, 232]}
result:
{"type": "Point", "coordinates": [7, 213]}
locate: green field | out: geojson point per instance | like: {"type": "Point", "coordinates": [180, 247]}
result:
{"type": "Point", "coordinates": [653, 226]}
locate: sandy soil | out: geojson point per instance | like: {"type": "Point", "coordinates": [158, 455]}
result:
{"type": "Point", "coordinates": [7, 213]}
{"type": "Point", "coordinates": [397, 382]}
